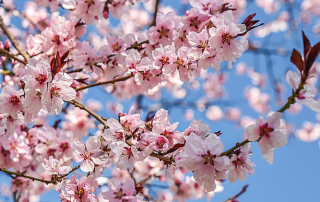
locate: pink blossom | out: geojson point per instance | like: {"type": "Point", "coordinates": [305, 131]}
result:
{"type": "Point", "coordinates": [60, 36]}
{"type": "Point", "coordinates": [119, 193]}
{"type": "Point", "coordinates": [88, 154]}
{"type": "Point", "coordinates": [115, 131]}
{"type": "Point", "coordinates": [306, 94]}
{"type": "Point", "coordinates": [58, 90]}
{"type": "Point", "coordinates": [152, 141]}
{"type": "Point", "coordinates": [79, 190]}
{"type": "Point", "coordinates": [268, 134]}
{"type": "Point", "coordinates": [206, 6]}
{"type": "Point", "coordinates": [89, 10]}
{"type": "Point", "coordinates": [225, 36]}
{"type": "Point", "coordinates": [148, 76]}
{"type": "Point", "coordinates": [164, 58]}
{"type": "Point", "coordinates": [164, 32]}
{"type": "Point", "coordinates": [86, 58]}
{"type": "Point", "coordinates": [198, 128]}
{"type": "Point", "coordinates": [52, 165]}
{"type": "Point", "coordinates": [17, 146]}
{"type": "Point", "coordinates": [240, 164]}
{"type": "Point", "coordinates": [187, 69]}
{"type": "Point", "coordinates": [309, 132]}
{"type": "Point", "coordinates": [199, 45]}
{"type": "Point", "coordinates": [162, 126]}
{"type": "Point", "coordinates": [127, 154]}
{"type": "Point", "coordinates": [78, 121]}
{"type": "Point", "coordinates": [202, 157]}
{"type": "Point", "coordinates": [11, 101]}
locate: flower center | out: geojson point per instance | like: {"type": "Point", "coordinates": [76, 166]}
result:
{"type": "Point", "coordinates": [203, 45]}
{"type": "Point", "coordinates": [163, 32]}
{"type": "Point", "coordinates": [56, 39]}
{"type": "Point", "coordinates": [14, 100]}
{"type": "Point", "coordinates": [164, 60]}
{"type": "Point", "coordinates": [41, 78]}
{"type": "Point", "coordinates": [208, 158]}
{"type": "Point", "coordinates": [265, 130]}
{"type": "Point", "coordinates": [64, 146]}
{"type": "Point", "coordinates": [179, 63]}
{"type": "Point", "coordinates": [55, 91]}
{"type": "Point", "coordinates": [119, 194]}
{"type": "Point", "coordinates": [116, 47]}
{"type": "Point", "coordinates": [80, 192]}
{"type": "Point", "coordinates": [195, 22]}
{"type": "Point", "coordinates": [161, 142]}
{"type": "Point", "coordinates": [226, 38]}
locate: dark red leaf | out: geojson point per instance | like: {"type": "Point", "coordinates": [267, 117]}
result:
{"type": "Point", "coordinates": [312, 56]}
{"type": "Point", "coordinates": [175, 147]}
{"type": "Point", "coordinates": [297, 60]}
{"type": "Point", "coordinates": [249, 18]}
{"type": "Point", "coordinates": [306, 45]}
{"type": "Point", "coordinates": [249, 23]}
{"type": "Point", "coordinates": [58, 62]}
{"type": "Point", "coordinates": [58, 58]}
{"type": "Point", "coordinates": [82, 80]}
{"type": "Point", "coordinates": [64, 56]}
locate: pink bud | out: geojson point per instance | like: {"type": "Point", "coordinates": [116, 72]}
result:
{"type": "Point", "coordinates": [105, 13]}
{"type": "Point", "coordinates": [7, 44]}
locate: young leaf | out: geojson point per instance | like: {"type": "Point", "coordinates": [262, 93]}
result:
{"type": "Point", "coordinates": [297, 59]}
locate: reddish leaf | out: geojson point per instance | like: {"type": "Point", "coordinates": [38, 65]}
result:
{"type": "Point", "coordinates": [297, 59]}
{"type": "Point", "coordinates": [306, 45]}
{"type": "Point", "coordinates": [64, 56]}
{"type": "Point", "coordinates": [249, 18]}
{"type": "Point", "coordinates": [82, 80]}
{"type": "Point", "coordinates": [175, 147]}
{"type": "Point", "coordinates": [58, 62]}
{"type": "Point", "coordinates": [312, 56]}
{"type": "Point", "coordinates": [249, 23]}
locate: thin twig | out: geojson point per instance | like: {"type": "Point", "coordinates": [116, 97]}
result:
{"type": "Point", "coordinates": [13, 40]}
{"type": "Point", "coordinates": [73, 169]}
{"type": "Point", "coordinates": [11, 56]}
{"type": "Point", "coordinates": [27, 176]}
{"type": "Point", "coordinates": [106, 82]}
{"type": "Point", "coordinates": [76, 103]}
{"type": "Point", "coordinates": [155, 13]}
{"type": "Point", "coordinates": [238, 194]}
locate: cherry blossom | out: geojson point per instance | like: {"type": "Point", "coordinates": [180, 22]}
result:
{"type": "Point", "coordinates": [202, 157]}
{"type": "Point", "coordinates": [268, 134]}
{"type": "Point", "coordinates": [306, 94]}
{"type": "Point", "coordinates": [88, 154]}
{"type": "Point", "coordinates": [240, 164]}
{"type": "Point", "coordinates": [79, 190]}
{"type": "Point", "coordinates": [11, 101]}
{"type": "Point", "coordinates": [53, 166]}
{"type": "Point", "coordinates": [119, 193]}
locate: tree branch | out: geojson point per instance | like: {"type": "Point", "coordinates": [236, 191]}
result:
{"type": "Point", "coordinates": [99, 118]}
{"type": "Point", "coordinates": [11, 56]}
{"type": "Point", "coordinates": [27, 176]}
{"type": "Point", "coordinates": [238, 194]}
{"type": "Point", "coordinates": [13, 40]}
{"type": "Point", "coordinates": [106, 82]}
{"type": "Point", "coordinates": [155, 13]}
